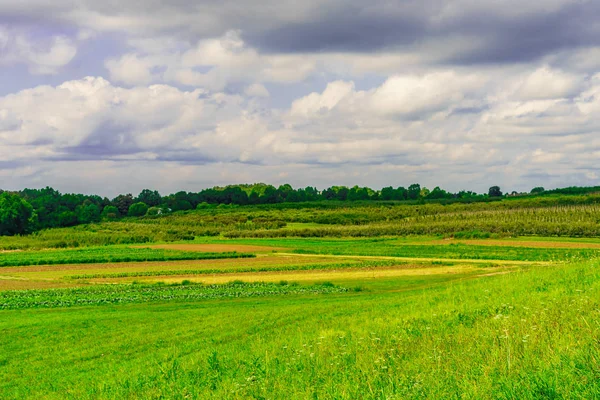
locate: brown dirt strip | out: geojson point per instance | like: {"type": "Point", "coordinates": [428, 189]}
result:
{"type": "Point", "coordinates": [213, 248]}
{"type": "Point", "coordinates": [187, 264]}
{"type": "Point", "coordinates": [18, 284]}
{"type": "Point", "coordinates": [424, 259]}
{"type": "Point", "coordinates": [314, 275]}
{"type": "Point", "coordinates": [516, 243]}
{"type": "Point", "coordinates": [342, 273]}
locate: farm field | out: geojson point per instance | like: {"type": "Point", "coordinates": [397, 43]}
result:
{"type": "Point", "coordinates": [389, 317]}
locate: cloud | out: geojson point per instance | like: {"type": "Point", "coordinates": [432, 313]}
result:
{"type": "Point", "coordinates": [505, 31]}
{"type": "Point", "coordinates": [329, 91]}
{"type": "Point", "coordinates": [341, 134]}
{"type": "Point", "coordinates": [256, 90]}
{"type": "Point", "coordinates": [545, 83]}
{"type": "Point", "coordinates": [130, 69]}
{"type": "Point", "coordinates": [42, 57]}
{"type": "Point", "coordinates": [400, 96]}
{"type": "Point", "coordinates": [212, 63]}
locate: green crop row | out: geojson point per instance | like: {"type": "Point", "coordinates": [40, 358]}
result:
{"type": "Point", "coordinates": [107, 255]}
{"type": "Point", "coordinates": [122, 294]}
{"type": "Point", "coordinates": [552, 216]}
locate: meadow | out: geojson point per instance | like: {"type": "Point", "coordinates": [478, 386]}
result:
{"type": "Point", "coordinates": [91, 312]}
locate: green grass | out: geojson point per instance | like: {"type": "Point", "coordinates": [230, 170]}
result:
{"type": "Point", "coordinates": [527, 335]}
{"type": "Point", "coordinates": [108, 254]}
{"type": "Point", "coordinates": [392, 247]}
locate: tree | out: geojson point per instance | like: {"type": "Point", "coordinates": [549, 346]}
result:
{"type": "Point", "coordinates": [16, 215]}
{"type": "Point", "coordinates": [414, 191]}
{"type": "Point", "coordinates": [138, 209]}
{"type": "Point", "coordinates": [87, 213]}
{"type": "Point", "coordinates": [123, 202]}
{"type": "Point", "coordinates": [537, 190]}
{"type": "Point", "coordinates": [495, 191]}
{"type": "Point", "coordinates": [150, 197]}
{"type": "Point", "coordinates": [110, 212]}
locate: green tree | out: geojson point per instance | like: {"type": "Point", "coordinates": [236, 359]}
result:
{"type": "Point", "coordinates": [151, 197]}
{"type": "Point", "coordinates": [16, 215]}
{"type": "Point", "coordinates": [137, 209]}
{"type": "Point", "coordinates": [495, 191]}
{"type": "Point", "coordinates": [123, 202]}
{"type": "Point", "coordinates": [87, 213]}
{"type": "Point", "coordinates": [110, 212]}
{"type": "Point", "coordinates": [537, 190]}
{"type": "Point", "coordinates": [414, 191]}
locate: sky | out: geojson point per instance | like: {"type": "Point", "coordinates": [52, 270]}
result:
{"type": "Point", "coordinates": [113, 97]}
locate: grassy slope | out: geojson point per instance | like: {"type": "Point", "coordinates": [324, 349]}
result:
{"type": "Point", "coordinates": [533, 334]}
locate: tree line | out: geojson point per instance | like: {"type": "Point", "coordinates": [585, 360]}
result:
{"type": "Point", "coordinates": [28, 210]}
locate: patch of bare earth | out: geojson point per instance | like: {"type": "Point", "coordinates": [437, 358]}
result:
{"type": "Point", "coordinates": [185, 264]}
{"type": "Point", "coordinates": [213, 248]}
{"type": "Point", "coordinates": [19, 284]}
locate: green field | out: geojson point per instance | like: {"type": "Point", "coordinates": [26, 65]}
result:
{"type": "Point", "coordinates": [463, 316]}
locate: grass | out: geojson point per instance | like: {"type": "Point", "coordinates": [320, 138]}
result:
{"type": "Point", "coordinates": [309, 318]}
{"type": "Point", "coordinates": [392, 247]}
{"type": "Point", "coordinates": [527, 335]}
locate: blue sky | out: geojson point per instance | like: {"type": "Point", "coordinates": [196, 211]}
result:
{"type": "Point", "coordinates": [113, 97]}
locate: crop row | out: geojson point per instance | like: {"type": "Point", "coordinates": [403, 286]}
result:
{"type": "Point", "coordinates": [391, 248]}
{"type": "Point", "coordinates": [122, 294]}
{"type": "Point", "coordinates": [279, 268]}
{"type": "Point", "coordinates": [560, 216]}
{"type": "Point", "coordinates": [107, 255]}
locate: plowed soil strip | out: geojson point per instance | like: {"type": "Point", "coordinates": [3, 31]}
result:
{"type": "Point", "coordinates": [213, 248]}
{"type": "Point", "coordinates": [186, 264]}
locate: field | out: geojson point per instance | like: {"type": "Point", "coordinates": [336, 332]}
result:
{"type": "Point", "coordinates": [256, 313]}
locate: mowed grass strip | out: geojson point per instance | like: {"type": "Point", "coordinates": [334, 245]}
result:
{"type": "Point", "coordinates": [245, 269]}
{"type": "Point", "coordinates": [123, 294]}
{"type": "Point", "coordinates": [107, 255]}
{"type": "Point", "coordinates": [353, 277]}
{"type": "Point", "coordinates": [517, 243]}
{"type": "Point", "coordinates": [393, 247]}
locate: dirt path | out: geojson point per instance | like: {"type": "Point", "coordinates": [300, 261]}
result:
{"type": "Point", "coordinates": [417, 259]}
{"type": "Point", "coordinates": [213, 248]}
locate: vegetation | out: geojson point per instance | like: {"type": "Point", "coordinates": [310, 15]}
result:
{"type": "Point", "coordinates": [122, 294]}
{"type": "Point", "coordinates": [381, 299]}
{"type": "Point", "coordinates": [16, 215]}
{"type": "Point", "coordinates": [532, 334]}
{"type": "Point", "coordinates": [107, 255]}
{"type": "Point", "coordinates": [52, 209]}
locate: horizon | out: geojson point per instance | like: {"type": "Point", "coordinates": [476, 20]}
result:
{"type": "Point", "coordinates": [319, 189]}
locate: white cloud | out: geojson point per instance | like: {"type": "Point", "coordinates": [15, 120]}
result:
{"type": "Point", "coordinates": [42, 57]}
{"type": "Point", "coordinates": [212, 63]}
{"type": "Point", "coordinates": [466, 125]}
{"type": "Point", "coordinates": [545, 83]}
{"type": "Point", "coordinates": [256, 90]}
{"type": "Point", "coordinates": [130, 69]}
